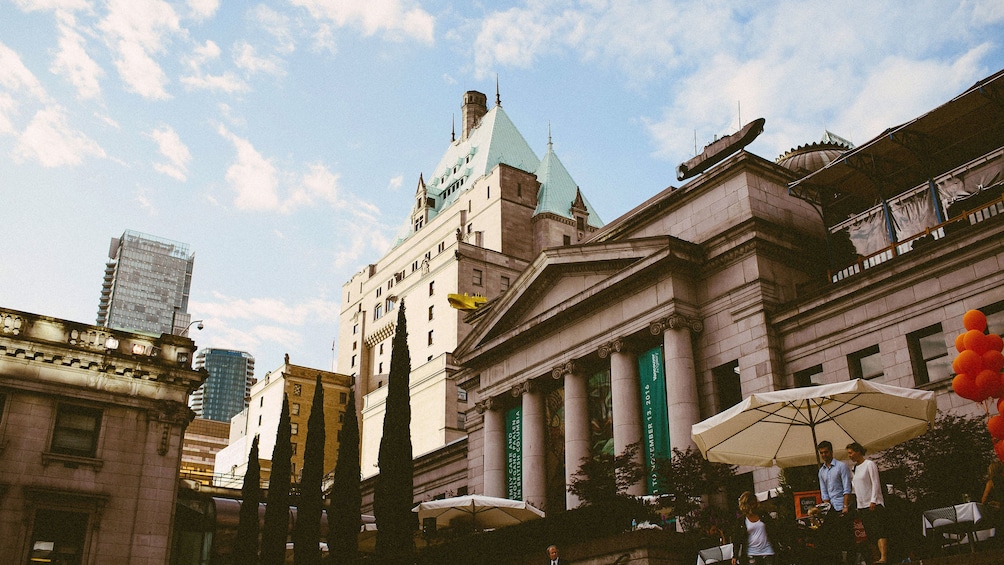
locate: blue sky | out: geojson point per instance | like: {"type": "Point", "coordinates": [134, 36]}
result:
{"type": "Point", "coordinates": [283, 140]}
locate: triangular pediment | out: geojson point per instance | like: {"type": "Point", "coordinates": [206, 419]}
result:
{"type": "Point", "coordinates": [564, 279]}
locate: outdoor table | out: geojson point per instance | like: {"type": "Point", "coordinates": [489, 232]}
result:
{"type": "Point", "coordinates": [965, 519]}
{"type": "Point", "coordinates": [715, 554]}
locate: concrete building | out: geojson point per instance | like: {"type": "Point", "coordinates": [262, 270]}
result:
{"type": "Point", "coordinates": [227, 390]}
{"type": "Point", "coordinates": [203, 440]}
{"type": "Point", "coordinates": [91, 421]}
{"type": "Point", "coordinates": [261, 418]}
{"type": "Point", "coordinates": [489, 207]}
{"type": "Point", "coordinates": [830, 264]}
{"type": "Point", "coordinates": [146, 284]}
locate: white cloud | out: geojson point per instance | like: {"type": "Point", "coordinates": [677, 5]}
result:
{"type": "Point", "coordinates": [398, 18]}
{"type": "Point", "coordinates": [275, 24]}
{"type": "Point", "coordinates": [395, 183]}
{"type": "Point", "coordinates": [319, 184]}
{"type": "Point", "coordinates": [14, 76]}
{"type": "Point", "coordinates": [46, 5]}
{"type": "Point", "coordinates": [253, 177]}
{"type": "Point", "coordinates": [203, 9]}
{"type": "Point", "coordinates": [49, 140]}
{"type": "Point", "coordinates": [245, 58]}
{"type": "Point", "coordinates": [202, 56]}
{"type": "Point", "coordinates": [143, 199]}
{"type": "Point", "coordinates": [176, 152]}
{"type": "Point", "coordinates": [275, 310]}
{"type": "Point", "coordinates": [73, 61]}
{"type": "Point", "coordinates": [7, 106]}
{"type": "Point", "coordinates": [135, 30]}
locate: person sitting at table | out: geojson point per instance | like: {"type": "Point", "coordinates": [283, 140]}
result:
{"type": "Point", "coordinates": [753, 541]}
{"type": "Point", "coordinates": [871, 503]}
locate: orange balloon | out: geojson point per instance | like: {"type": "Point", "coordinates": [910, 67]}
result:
{"type": "Point", "coordinates": [993, 360]}
{"type": "Point", "coordinates": [974, 320]}
{"type": "Point", "coordinates": [988, 383]}
{"type": "Point", "coordinates": [999, 450]}
{"type": "Point", "coordinates": [960, 344]}
{"type": "Point", "coordinates": [994, 342]}
{"type": "Point", "coordinates": [968, 362]}
{"type": "Point", "coordinates": [976, 341]}
{"type": "Point", "coordinates": [965, 386]}
{"type": "Point", "coordinates": [996, 426]}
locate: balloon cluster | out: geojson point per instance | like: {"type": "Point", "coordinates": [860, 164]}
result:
{"type": "Point", "coordinates": [978, 371]}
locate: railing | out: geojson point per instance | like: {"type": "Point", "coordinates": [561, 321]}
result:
{"type": "Point", "coordinates": [965, 219]}
{"type": "Point", "coordinates": [234, 481]}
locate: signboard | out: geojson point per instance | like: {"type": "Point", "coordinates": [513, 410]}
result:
{"type": "Point", "coordinates": [654, 413]}
{"type": "Point", "coordinates": [514, 453]}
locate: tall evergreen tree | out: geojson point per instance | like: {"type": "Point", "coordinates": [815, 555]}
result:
{"type": "Point", "coordinates": [345, 515]}
{"type": "Point", "coordinates": [307, 530]}
{"type": "Point", "coordinates": [273, 536]}
{"type": "Point", "coordinates": [393, 495]}
{"type": "Point", "coordinates": [246, 544]}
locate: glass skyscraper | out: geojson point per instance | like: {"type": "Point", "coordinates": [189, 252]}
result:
{"type": "Point", "coordinates": [146, 284]}
{"type": "Point", "coordinates": [228, 387]}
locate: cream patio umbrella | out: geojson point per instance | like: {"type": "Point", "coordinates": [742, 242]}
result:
{"type": "Point", "coordinates": [783, 427]}
{"type": "Point", "coordinates": [483, 512]}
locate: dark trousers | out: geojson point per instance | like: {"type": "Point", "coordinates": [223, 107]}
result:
{"type": "Point", "coordinates": [836, 538]}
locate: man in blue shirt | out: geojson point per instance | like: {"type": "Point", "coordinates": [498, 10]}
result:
{"type": "Point", "coordinates": [835, 487]}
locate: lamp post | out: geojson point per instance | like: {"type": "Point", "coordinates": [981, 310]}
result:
{"type": "Point", "coordinates": [184, 332]}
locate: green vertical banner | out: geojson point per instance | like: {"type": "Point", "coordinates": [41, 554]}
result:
{"type": "Point", "coordinates": [654, 413]}
{"type": "Point", "coordinates": [514, 454]}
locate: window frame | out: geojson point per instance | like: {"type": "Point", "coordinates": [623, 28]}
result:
{"type": "Point", "coordinates": [68, 409]}
{"type": "Point", "coordinates": [922, 364]}
{"type": "Point", "coordinates": [856, 368]}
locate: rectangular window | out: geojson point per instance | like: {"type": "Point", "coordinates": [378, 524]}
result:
{"type": "Point", "coordinates": [809, 377]}
{"type": "Point", "coordinates": [865, 364]}
{"type": "Point", "coordinates": [390, 305]}
{"type": "Point", "coordinates": [354, 345]}
{"type": "Point", "coordinates": [294, 409]}
{"type": "Point", "coordinates": [341, 418]}
{"type": "Point", "coordinates": [730, 391]}
{"type": "Point", "coordinates": [380, 368]}
{"type": "Point", "coordinates": [504, 284]}
{"type": "Point", "coordinates": [76, 431]}
{"type": "Point", "coordinates": [566, 239]}
{"type": "Point", "coordinates": [442, 246]}
{"type": "Point", "coordinates": [377, 311]}
{"type": "Point", "coordinates": [995, 317]}
{"type": "Point", "coordinates": [430, 312]}
{"type": "Point", "coordinates": [58, 536]}
{"type": "Point", "coordinates": [294, 428]}
{"type": "Point", "coordinates": [379, 291]}
{"type": "Point", "coordinates": [461, 420]}
{"type": "Point", "coordinates": [293, 448]}
{"type": "Point", "coordinates": [343, 397]}
{"type": "Point", "coordinates": [580, 223]}
{"type": "Point", "coordinates": [432, 287]}
{"type": "Point", "coordinates": [380, 348]}
{"type": "Point", "coordinates": [430, 337]}
{"type": "Point", "coordinates": [477, 277]}
{"type": "Point", "coordinates": [461, 394]}
{"type": "Point", "coordinates": [353, 361]}
{"type": "Point", "coordinates": [929, 355]}
{"type": "Point", "coordinates": [355, 329]}
{"type": "Point", "coordinates": [297, 390]}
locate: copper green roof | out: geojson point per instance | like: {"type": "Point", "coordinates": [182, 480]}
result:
{"type": "Point", "coordinates": [557, 190]}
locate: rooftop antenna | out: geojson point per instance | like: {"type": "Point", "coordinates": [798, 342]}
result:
{"type": "Point", "coordinates": [498, 99]}
{"type": "Point", "coordinates": [739, 103]}
{"type": "Point", "coordinates": [695, 141]}
{"type": "Point", "coordinates": [453, 128]}
{"type": "Point", "coordinates": [549, 135]}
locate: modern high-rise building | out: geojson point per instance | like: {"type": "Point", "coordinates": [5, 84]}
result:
{"type": "Point", "coordinates": [478, 220]}
{"type": "Point", "coordinates": [228, 388]}
{"type": "Point", "coordinates": [146, 284]}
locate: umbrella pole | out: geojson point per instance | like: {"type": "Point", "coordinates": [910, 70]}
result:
{"type": "Point", "coordinates": [815, 442]}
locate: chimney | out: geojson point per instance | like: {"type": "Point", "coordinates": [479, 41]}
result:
{"type": "Point", "coordinates": [474, 108]}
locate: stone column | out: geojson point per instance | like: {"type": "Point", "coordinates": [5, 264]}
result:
{"type": "Point", "coordinates": [681, 378]}
{"type": "Point", "coordinates": [534, 454]}
{"type": "Point", "coordinates": [626, 392]}
{"type": "Point", "coordinates": [576, 423]}
{"type": "Point", "coordinates": [493, 449]}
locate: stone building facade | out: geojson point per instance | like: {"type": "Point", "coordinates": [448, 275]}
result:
{"type": "Point", "coordinates": [91, 425]}
{"type": "Point", "coordinates": [737, 282]}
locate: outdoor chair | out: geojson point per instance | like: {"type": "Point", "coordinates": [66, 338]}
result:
{"type": "Point", "coordinates": [945, 531]}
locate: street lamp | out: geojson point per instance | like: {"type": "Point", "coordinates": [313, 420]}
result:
{"type": "Point", "coordinates": [198, 327]}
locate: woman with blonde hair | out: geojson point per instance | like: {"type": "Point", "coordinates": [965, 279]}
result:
{"type": "Point", "coordinates": [993, 494]}
{"type": "Point", "coordinates": [754, 537]}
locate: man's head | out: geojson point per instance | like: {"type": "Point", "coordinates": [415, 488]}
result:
{"type": "Point", "coordinates": [552, 552]}
{"type": "Point", "coordinates": [825, 450]}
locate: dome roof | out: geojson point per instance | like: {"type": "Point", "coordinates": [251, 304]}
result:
{"type": "Point", "coordinates": [809, 158]}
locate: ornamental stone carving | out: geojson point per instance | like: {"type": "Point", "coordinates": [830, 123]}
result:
{"type": "Point", "coordinates": [485, 405]}
{"type": "Point", "coordinates": [616, 346]}
{"type": "Point", "coordinates": [566, 368]}
{"type": "Point", "coordinates": [676, 322]}
{"type": "Point", "coordinates": [522, 388]}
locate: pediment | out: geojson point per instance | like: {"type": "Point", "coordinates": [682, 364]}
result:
{"type": "Point", "coordinates": [564, 279]}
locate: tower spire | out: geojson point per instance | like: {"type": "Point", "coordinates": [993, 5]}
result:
{"type": "Point", "coordinates": [453, 128]}
{"type": "Point", "coordinates": [549, 146]}
{"type": "Point", "coordinates": [498, 99]}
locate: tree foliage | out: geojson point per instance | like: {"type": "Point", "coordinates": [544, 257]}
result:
{"type": "Point", "coordinates": [307, 530]}
{"type": "Point", "coordinates": [942, 466]}
{"type": "Point", "coordinates": [688, 477]}
{"type": "Point", "coordinates": [345, 515]}
{"type": "Point", "coordinates": [273, 537]}
{"type": "Point", "coordinates": [246, 544]}
{"type": "Point", "coordinates": [604, 478]}
{"type": "Point", "coordinates": [393, 495]}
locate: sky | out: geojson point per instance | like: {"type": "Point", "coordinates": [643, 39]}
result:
{"type": "Point", "coordinates": [283, 140]}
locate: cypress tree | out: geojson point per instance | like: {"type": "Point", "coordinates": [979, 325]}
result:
{"type": "Point", "coordinates": [273, 537]}
{"type": "Point", "coordinates": [393, 494]}
{"type": "Point", "coordinates": [345, 515]}
{"type": "Point", "coordinates": [307, 531]}
{"type": "Point", "coordinates": [246, 544]}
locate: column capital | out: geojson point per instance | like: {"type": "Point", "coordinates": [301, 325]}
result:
{"type": "Point", "coordinates": [566, 368]}
{"type": "Point", "coordinates": [485, 405]}
{"type": "Point", "coordinates": [676, 322]}
{"type": "Point", "coordinates": [618, 345]}
{"type": "Point", "coordinates": [522, 388]}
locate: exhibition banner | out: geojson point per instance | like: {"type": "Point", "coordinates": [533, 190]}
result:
{"type": "Point", "coordinates": [654, 413]}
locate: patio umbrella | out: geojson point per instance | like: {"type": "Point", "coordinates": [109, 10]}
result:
{"type": "Point", "coordinates": [783, 427]}
{"type": "Point", "coordinates": [483, 512]}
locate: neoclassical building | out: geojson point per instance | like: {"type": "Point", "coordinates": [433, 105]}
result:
{"type": "Point", "coordinates": [832, 263]}
{"type": "Point", "coordinates": [91, 425]}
